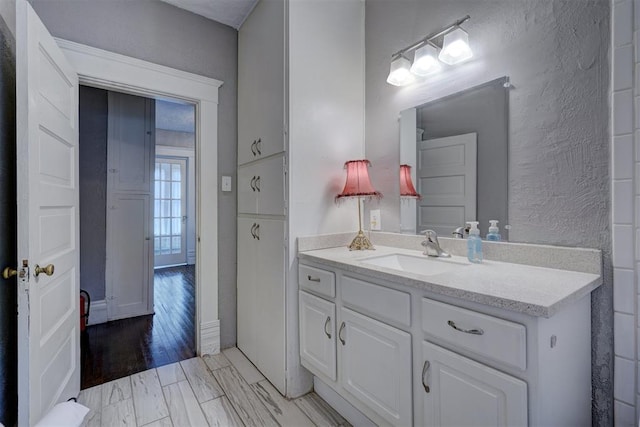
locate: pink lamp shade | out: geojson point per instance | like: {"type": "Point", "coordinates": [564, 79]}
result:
{"type": "Point", "coordinates": [358, 182]}
{"type": "Point", "coordinates": [406, 185]}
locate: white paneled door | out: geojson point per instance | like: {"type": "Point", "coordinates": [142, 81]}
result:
{"type": "Point", "coordinates": [47, 165]}
{"type": "Point", "coordinates": [170, 212]}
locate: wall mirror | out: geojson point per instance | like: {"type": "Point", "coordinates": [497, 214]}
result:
{"type": "Point", "coordinates": [458, 150]}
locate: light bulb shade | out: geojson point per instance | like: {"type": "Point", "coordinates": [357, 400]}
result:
{"type": "Point", "coordinates": [358, 182]}
{"type": "Point", "coordinates": [425, 61]}
{"type": "Point", "coordinates": [455, 48]}
{"type": "Point", "coordinates": [399, 72]}
{"type": "Point", "coordinates": [406, 184]}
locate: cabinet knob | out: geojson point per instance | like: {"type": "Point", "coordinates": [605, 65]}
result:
{"type": "Point", "coordinates": [48, 270]}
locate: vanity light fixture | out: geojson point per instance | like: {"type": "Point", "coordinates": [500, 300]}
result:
{"type": "Point", "coordinates": [358, 185]}
{"type": "Point", "coordinates": [455, 49]}
{"type": "Point", "coordinates": [407, 189]}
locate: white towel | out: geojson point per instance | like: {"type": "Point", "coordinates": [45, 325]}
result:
{"type": "Point", "coordinates": [65, 414]}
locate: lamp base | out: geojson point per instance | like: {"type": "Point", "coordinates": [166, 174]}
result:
{"type": "Point", "coordinates": [360, 243]}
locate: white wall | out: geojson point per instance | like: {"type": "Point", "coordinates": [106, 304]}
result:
{"type": "Point", "coordinates": [326, 126]}
{"type": "Point", "coordinates": [626, 214]}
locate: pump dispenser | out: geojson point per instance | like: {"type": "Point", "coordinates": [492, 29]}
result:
{"type": "Point", "coordinates": [474, 243]}
{"type": "Point", "coordinates": [494, 231]}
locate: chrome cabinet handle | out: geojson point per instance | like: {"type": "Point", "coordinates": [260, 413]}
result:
{"type": "Point", "coordinates": [258, 183]}
{"type": "Point", "coordinates": [425, 368]}
{"type": "Point", "coordinates": [253, 229]}
{"type": "Point", "coordinates": [340, 334]}
{"type": "Point", "coordinates": [313, 279]}
{"type": "Point", "coordinates": [326, 323]}
{"type": "Point", "coordinates": [259, 146]}
{"type": "Point", "coordinates": [253, 147]}
{"type": "Point", "coordinates": [253, 183]}
{"type": "Point", "coordinates": [477, 331]}
{"type": "Point", "coordinates": [257, 231]}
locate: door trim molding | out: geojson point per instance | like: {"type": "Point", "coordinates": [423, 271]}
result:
{"type": "Point", "coordinates": [112, 71]}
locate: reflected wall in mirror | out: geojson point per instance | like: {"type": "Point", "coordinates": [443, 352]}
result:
{"type": "Point", "coordinates": [458, 148]}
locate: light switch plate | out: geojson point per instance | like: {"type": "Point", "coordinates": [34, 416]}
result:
{"type": "Point", "coordinates": [374, 220]}
{"type": "Point", "coordinates": [226, 183]}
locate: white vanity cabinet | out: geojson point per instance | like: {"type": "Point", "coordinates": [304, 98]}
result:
{"type": "Point", "coordinates": [363, 357]}
{"type": "Point", "coordinates": [407, 356]}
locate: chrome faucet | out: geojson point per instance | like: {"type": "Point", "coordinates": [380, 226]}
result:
{"type": "Point", "coordinates": [432, 245]}
{"type": "Point", "coordinates": [460, 232]}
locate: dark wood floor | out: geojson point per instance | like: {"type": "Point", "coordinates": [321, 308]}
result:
{"type": "Point", "coordinates": [123, 347]}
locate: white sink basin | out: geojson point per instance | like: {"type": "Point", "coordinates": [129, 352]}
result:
{"type": "Point", "coordinates": [426, 266]}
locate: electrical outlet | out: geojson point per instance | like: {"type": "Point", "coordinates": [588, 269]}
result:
{"type": "Point", "coordinates": [374, 220]}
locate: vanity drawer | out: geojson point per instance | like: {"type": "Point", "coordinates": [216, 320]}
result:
{"type": "Point", "coordinates": [498, 339]}
{"type": "Point", "coordinates": [316, 280]}
{"type": "Point", "coordinates": [379, 301]}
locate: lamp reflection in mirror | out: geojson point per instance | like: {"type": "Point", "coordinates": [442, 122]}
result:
{"type": "Point", "coordinates": [455, 48]}
{"type": "Point", "coordinates": [358, 185]}
{"type": "Point", "coordinates": [407, 189]}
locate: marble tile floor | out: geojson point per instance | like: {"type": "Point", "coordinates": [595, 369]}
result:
{"type": "Point", "coordinates": [219, 390]}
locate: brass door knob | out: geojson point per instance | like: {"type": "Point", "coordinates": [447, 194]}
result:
{"type": "Point", "coordinates": [9, 272]}
{"type": "Point", "coordinates": [48, 270]}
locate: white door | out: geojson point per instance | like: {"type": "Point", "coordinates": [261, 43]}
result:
{"type": "Point", "coordinates": [130, 163]}
{"type": "Point", "coordinates": [170, 212]}
{"type": "Point", "coordinates": [376, 366]}
{"type": "Point", "coordinates": [446, 179]}
{"type": "Point", "coordinates": [47, 167]}
{"type": "Point", "coordinates": [246, 284]}
{"type": "Point", "coordinates": [317, 335]}
{"type": "Point", "coordinates": [459, 392]}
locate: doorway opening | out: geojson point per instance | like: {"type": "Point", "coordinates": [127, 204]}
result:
{"type": "Point", "coordinates": [137, 233]}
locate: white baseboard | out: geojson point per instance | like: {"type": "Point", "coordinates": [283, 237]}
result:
{"type": "Point", "coordinates": [97, 312]}
{"type": "Point", "coordinates": [210, 337]}
{"type": "Point", "coordinates": [344, 408]}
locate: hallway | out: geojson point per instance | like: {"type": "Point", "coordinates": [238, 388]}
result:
{"type": "Point", "coordinates": [123, 347]}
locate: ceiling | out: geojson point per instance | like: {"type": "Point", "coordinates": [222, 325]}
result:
{"type": "Point", "coordinates": [228, 12]}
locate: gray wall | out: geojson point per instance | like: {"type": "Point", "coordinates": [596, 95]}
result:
{"type": "Point", "coordinates": [557, 55]}
{"type": "Point", "coordinates": [158, 32]}
{"type": "Point", "coordinates": [93, 190]}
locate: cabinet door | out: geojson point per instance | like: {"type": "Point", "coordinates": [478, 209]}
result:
{"type": "Point", "coordinates": [246, 287]}
{"type": "Point", "coordinates": [261, 82]}
{"type": "Point", "coordinates": [317, 335]}
{"type": "Point", "coordinates": [270, 301]}
{"type": "Point", "coordinates": [376, 365]}
{"type": "Point", "coordinates": [462, 392]}
{"type": "Point", "coordinates": [261, 187]}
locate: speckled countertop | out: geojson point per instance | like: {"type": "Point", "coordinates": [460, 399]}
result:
{"type": "Point", "coordinates": [537, 291]}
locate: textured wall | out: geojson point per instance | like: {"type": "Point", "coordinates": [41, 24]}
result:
{"type": "Point", "coordinates": [158, 32]}
{"type": "Point", "coordinates": [556, 53]}
{"type": "Point", "coordinates": [93, 190]}
{"type": "Point", "coordinates": [8, 243]}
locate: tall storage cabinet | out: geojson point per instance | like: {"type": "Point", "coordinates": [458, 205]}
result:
{"type": "Point", "coordinates": [297, 125]}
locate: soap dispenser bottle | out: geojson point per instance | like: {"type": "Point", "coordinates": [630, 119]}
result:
{"type": "Point", "coordinates": [494, 231]}
{"type": "Point", "coordinates": [474, 243]}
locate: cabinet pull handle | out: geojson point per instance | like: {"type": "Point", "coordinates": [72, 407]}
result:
{"type": "Point", "coordinates": [340, 334]}
{"type": "Point", "coordinates": [259, 146]}
{"type": "Point", "coordinates": [477, 331]}
{"type": "Point", "coordinates": [326, 323]}
{"type": "Point", "coordinates": [258, 183]}
{"type": "Point", "coordinates": [253, 183]}
{"type": "Point", "coordinates": [313, 279]}
{"type": "Point", "coordinates": [253, 147]}
{"type": "Point", "coordinates": [425, 368]}
{"type": "Point", "coordinates": [258, 231]}
{"type": "Point", "coordinates": [253, 229]}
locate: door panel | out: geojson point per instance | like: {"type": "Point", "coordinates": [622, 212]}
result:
{"type": "Point", "coordinates": [246, 279]}
{"type": "Point", "coordinates": [317, 334]}
{"type": "Point", "coordinates": [376, 366]}
{"type": "Point", "coordinates": [130, 165]}
{"type": "Point", "coordinates": [463, 392]}
{"type": "Point", "coordinates": [47, 171]}
{"type": "Point", "coordinates": [446, 179]}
